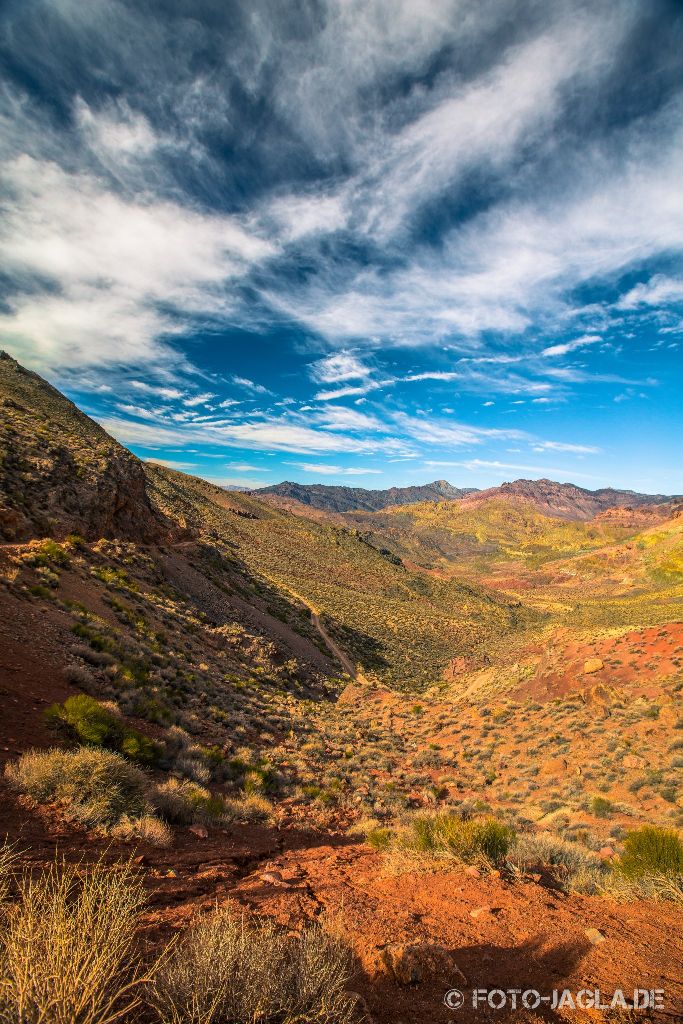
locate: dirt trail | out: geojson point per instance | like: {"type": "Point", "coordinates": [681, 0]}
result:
{"type": "Point", "coordinates": [331, 644]}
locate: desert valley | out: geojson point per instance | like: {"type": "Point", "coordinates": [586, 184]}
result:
{"type": "Point", "coordinates": [425, 726]}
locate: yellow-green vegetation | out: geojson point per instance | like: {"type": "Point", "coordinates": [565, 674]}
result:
{"type": "Point", "coordinates": [86, 720]}
{"type": "Point", "coordinates": [484, 841]}
{"type": "Point", "coordinates": [67, 946]}
{"type": "Point", "coordinates": [102, 790]}
{"type": "Point", "coordinates": [651, 850]}
{"type": "Point", "coordinates": [228, 969]}
{"type": "Point", "coordinates": [599, 573]}
{"type": "Point", "coordinates": [650, 867]}
{"type": "Point", "coordinates": [402, 626]}
{"type": "Point", "coordinates": [447, 533]}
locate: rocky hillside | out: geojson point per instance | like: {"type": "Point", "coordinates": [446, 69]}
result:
{"type": "Point", "coordinates": [60, 472]}
{"type": "Point", "coordinates": [345, 499]}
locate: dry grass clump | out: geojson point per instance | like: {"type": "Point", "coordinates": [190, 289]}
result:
{"type": "Point", "coordinates": [67, 947]}
{"type": "Point", "coordinates": [651, 867]}
{"type": "Point", "coordinates": [8, 858]}
{"type": "Point", "coordinates": [182, 802]}
{"type": "Point", "coordinates": [146, 829]}
{"type": "Point", "coordinates": [225, 969]}
{"type": "Point", "coordinates": [94, 787]}
{"type": "Point", "coordinates": [565, 859]}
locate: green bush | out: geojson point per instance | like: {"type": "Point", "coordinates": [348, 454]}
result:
{"type": "Point", "coordinates": [468, 840]}
{"type": "Point", "coordinates": [85, 720]}
{"type": "Point", "coordinates": [601, 806]}
{"type": "Point", "coordinates": [379, 838]}
{"type": "Point", "coordinates": [651, 850]}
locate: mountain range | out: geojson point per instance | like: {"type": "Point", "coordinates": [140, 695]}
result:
{"type": "Point", "coordinates": [563, 500]}
{"type": "Point", "coordinates": [345, 499]}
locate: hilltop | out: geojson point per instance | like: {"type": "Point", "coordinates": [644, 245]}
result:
{"type": "Point", "coordinates": [566, 501]}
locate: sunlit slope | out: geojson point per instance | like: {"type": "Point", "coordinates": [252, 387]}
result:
{"type": "Point", "coordinates": [402, 625]}
{"type": "Point", "coordinates": [437, 535]}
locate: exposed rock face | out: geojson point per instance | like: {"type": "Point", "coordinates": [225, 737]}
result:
{"type": "Point", "coordinates": [567, 501]}
{"type": "Point", "coordinates": [346, 499]}
{"type": "Point", "coordinates": [60, 472]}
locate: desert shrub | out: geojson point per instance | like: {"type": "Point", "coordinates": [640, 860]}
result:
{"type": "Point", "coordinates": [50, 553]}
{"type": "Point", "coordinates": [251, 808]}
{"type": "Point", "coordinates": [85, 720]}
{"type": "Point", "coordinates": [227, 969]}
{"type": "Point", "coordinates": [183, 802]}
{"type": "Point", "coordinates": [379, 838]}
{"type": "Point", "coordinates": [651, 850]}
{"type": "Point", "coordinates": [95, 787]}
{"type": "Point", "coordinates": [66, 947]}
{"type": "Point", "coordinates": [566, 859]}
{"type": "Point", "coordinates": [468, 840]}
{"type": "Point", "coordinates": [601, 806]}
{"type": "Point", "coordinates": [147, 829]}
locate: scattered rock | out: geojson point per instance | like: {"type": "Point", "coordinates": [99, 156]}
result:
{"type": "Point", "coordinates": [594, 936]}
{"type": "Point", "coordinates": [361, 1007]}
{"type": "Point", "coordinates": [480, 912]}
{"type": "Point", "coordinates": [410, 963]}
{"type": "Point", "coordinates": [593, 665]}
{"type": "Point", "coordinates": [634, 761]}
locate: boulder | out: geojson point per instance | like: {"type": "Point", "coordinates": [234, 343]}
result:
{"type": "Point", "coordinates": [593, 665]}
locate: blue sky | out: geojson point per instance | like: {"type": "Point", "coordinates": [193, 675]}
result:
{"type": "Point", "coordinates": [370, 242]}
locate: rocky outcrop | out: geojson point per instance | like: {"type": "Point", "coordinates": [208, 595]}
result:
{"type": "Point", "coordinates": [60, 472]}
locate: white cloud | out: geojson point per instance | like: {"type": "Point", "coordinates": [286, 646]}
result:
{"type": "Point", "coordinates": [250, 385]}
{"type": "Point", "coordinates": [172, 464]}
{"type": "Point", "coordinates": [321, 469]}
{"type": "Point", "coordinates": [170, 394]}
{"type": "Point", "coordinates": [484, 466]}
{"type": "Point", "coordinates": [340, 366]}
{"type": "Point", "coordinates": [561, 446]}
{"type": "Point", "coordinates": [447, 433]}
{"type": "Point", "coordinates": [517, 262]}
{"type": "Point", "coordinates": [265, 435]}
{"type": "Point", "coordinates": [199, 399]}
{"type": "Point", "coordinates": [338, 417]}
{"type": "Point", "coordinates": [118, 268]}
{"type": "Point", "coordinates": [658, 291]}
{"type": "Point", "coordinates": [570, 346]}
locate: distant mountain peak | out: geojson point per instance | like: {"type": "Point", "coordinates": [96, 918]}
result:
{"type": "Point", "coordinates": [566, 500]}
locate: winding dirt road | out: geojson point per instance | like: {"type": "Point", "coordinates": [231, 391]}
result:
{"type": "Point", "coordinates": [331, 644]}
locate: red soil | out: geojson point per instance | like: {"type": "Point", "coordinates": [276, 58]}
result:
{"type": "Point", "coordinates": [530, 936]}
